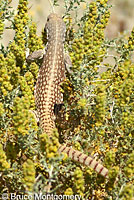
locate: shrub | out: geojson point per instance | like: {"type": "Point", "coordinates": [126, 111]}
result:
{"type": "Point", "coordinates": [99, 109]}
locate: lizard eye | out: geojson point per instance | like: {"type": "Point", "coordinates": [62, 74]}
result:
{"type": "Point", "coordinates": [47, 19]}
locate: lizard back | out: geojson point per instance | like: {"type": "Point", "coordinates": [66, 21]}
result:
{"type": "Point", "coordinates": [51, 73]}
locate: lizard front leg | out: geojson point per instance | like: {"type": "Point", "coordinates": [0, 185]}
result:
{"type": "Point", "coordinates": [35, 56]}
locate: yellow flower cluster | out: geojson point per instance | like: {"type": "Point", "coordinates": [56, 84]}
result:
{"type": "Point", "coordinates": [129, 169]}
{"type": "Point", "coordinates": [82, 103]}
{"type": "Point", "coordinates": [127, 193]}
{"type": "Point", "coordinates": [34, 42]}
{"type": "Point", "coordinates": [18, 52]}
{"type": "Point", "coordinates": [23, 119]}
{"type": "Point", "coordinates": [3, 163]}
{"type": "Point", "coordinates": [30, 80]}
{"type": "Point", "coordinates": [131, 41]}
{"type": "Point", "coordinates": [100, 101]}
{"type": "Point", "coordinates": [78, 181]}
{"type": "Point", "coordinates": [27, 88]}
{"type": "Point", "coordinates": [76, 144]}
{"type": "Point", "coordinates": [124, 71]}
{"type": "Point", "coordinates": [4, 77]}
{"type": "Point", "coordinates": [100, 194]}
{"type": "Point", "coordinates": [1, 27]}
{"type": "Point", "coordinates": [12, 150]}
{"type": "Point", "coordinates": [77, 52]}
{"type": "Point", "coordinates": [69, 30]}
{"type": "Point", "coordinates": [13, 70]}
{"type": "Point", "coordinates": [1, 19]}
{"type": "Point", "coordinates": [94, 32]}
{"type": "Point", "coordinates": [113, 172]}
{"type": "Point", "coordinates": [34, 68]}
{"type": "Point", "coordinates": [20, 21]}
{"type": "Point", "coordinates": [40, 169]}
{"type": "Point", "coordinates": [68, 191]}
{"type": "Point", "coordinates": [110, 158]}
{"type": "Point", "coordinates": [50, 147]}
{"type": "Point", "coordinates": [130, 44]}
{"type": "Point", "coordinates": [28, 171]}
{"type": "Point", "coordinates": [1, 109]}
{"type": "Point", "coordinates": [103, 3]}
{"type": "Point", "coordinates": [122, 91]}
{"type": "Point", "coordinates": [89, 45]}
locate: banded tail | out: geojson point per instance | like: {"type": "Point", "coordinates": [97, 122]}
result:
{"type": "Point", "coordinates": [84, 159]}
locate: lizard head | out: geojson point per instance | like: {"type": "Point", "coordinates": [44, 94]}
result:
{"type": "Point", "coordinates": [54, 25]}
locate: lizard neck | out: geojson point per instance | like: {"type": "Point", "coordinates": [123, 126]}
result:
{"type": "Point", "coordinates": [54, 52]}
{"type": "Point", "coordinates": [55, 46]}
{"type": "Point", "coordinates": [55, 43]}
{"type": "Point", "coordinates": [55, 38]}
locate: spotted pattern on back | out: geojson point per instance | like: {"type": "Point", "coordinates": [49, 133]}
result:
{"type": "Point", "coordinates": [51, 73]}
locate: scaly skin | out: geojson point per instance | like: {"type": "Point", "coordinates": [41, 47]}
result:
{"type": "Point", "coordinates": [51, 74]}
{"type": "Point", "coordinates": [47, 92]}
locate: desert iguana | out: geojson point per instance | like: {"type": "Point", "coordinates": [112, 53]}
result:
{"type": "Point", "coordinates": [47, 91]}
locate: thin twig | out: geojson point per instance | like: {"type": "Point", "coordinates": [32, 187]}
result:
{"type": "Point", "coordinates": [51, 6]}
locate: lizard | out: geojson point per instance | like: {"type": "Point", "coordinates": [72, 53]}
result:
{"type": "Point", "coordinates": [47, 89]}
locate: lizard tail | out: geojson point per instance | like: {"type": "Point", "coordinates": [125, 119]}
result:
{"type": "Point", "coordinates": [84, 159]}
